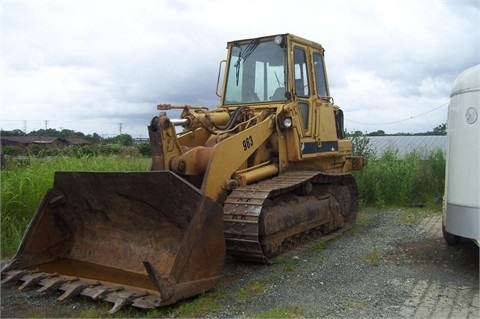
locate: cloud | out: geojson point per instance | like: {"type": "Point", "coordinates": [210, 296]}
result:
{"type": "Point", "coordinates": [90, 65]}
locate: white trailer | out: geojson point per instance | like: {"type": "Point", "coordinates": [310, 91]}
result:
{"type": "Point", "coordinates": [461, 215]}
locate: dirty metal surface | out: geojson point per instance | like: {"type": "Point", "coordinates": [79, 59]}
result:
{"type": "Point", "coordinates": [150, 233]}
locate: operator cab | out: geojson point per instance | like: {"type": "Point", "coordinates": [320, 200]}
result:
{"type": "Point", "coordinates": [258, 70]}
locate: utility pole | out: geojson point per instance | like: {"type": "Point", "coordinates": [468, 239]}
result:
{"type": "Point", "coordinates": [46, 122]}
{"type": "Point", "coordinates": [120, 127]}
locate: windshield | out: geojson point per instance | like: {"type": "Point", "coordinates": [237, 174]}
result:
{"type": "Point", "coordinates": [256, 73]}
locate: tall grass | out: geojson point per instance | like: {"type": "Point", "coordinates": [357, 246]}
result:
{"type": "Point", "coordinates": [414, 179]}
{"type": "Point", "coordinates": [23, 187]}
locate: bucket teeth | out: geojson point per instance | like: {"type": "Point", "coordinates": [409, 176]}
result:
{"type": "Point", "coordinates": [99, 292]}
{"type": "Point", "coordinates": [147, 302]}
{"type": "Point", "coordinates": [52, 284]}
{"type": "Point", "coordinates": [73, 288]}
{"type": "Point", "coordinates": [13, 275]}
{"type": "Point", "coordinates": [32, 279]}
{"type": "Point", "coordinates": [123, 299]}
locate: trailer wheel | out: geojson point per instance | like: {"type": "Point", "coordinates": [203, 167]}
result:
{"type": "Point", "coordinates": [451, 239]}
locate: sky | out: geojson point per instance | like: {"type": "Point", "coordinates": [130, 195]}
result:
{"type": "Point", "coordinates": [103, 66]}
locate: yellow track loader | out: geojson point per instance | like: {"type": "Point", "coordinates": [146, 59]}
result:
{"type": "Point", "coordinates": [264, 171]}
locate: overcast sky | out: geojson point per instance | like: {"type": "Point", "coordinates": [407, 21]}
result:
{"type": "Point", "coordinates": [90, 65]}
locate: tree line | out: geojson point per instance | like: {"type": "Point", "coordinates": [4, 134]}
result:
{"type": "Point", "coordinates": [122, 139]}
{"type": "Point", "coordinates": [127, 140]}
{"type": "Point", "coordinates": [439, 130]}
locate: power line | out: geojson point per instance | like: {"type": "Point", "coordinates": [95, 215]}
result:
{"type": "Point", "coordinates": [394, 122]}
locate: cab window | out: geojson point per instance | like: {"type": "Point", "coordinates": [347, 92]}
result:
{"type": "Point", "coordinates": [320, 75]}
{"type": "Point", "coordinates": [256, 73]}
{"type": "Point", "coordinates": [301, 76]}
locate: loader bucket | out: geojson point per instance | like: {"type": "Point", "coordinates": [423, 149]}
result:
{"type": "Point", "coordinates": [142, 238]}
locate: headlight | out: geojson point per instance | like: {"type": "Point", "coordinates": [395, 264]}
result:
{"type": "Point", "coordinates": [278, 40]}
{"type": "Point", "coordinates": [286, 122]}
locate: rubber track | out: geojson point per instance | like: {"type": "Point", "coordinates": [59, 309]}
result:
{"type": "Point", "coordinates": [243, 207]}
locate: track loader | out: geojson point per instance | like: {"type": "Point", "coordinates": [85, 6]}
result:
{"type": "Point", "coordinates": [264, 171]}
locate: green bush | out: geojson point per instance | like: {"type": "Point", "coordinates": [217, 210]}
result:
{"type": "Point", "coordinates": [144, 149]}
{"type": "Point", "coordinates": [409, 180]}
{"type": "Point", "coordinates": [11, 151]}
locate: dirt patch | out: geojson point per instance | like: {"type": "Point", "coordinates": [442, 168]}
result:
{"type": "Point", "coordinates": [432, 251]}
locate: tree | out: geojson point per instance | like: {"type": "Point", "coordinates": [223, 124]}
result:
{"type": "Point", "coordinates": [15, 132]}
{"type": "Point", "coordinates": [51, 132]}
{"type": "Point", "coordinates": [377, 133]}
{"type": "Point", "coordinates": [122, 139]}
{"type": "Point", "coordinates": [360, 144]}
{"type": "Point", "coordinates": [93, 138]}
{"type": "Point", "coordinates": [65, 133]}
{"type": "Point", "coordinates": [440, 130]}
{"type": "Point", "coordinates": [144, 149]}
{"type": "Point", "coordinates": [125, 140]}
{"type": "Point", "coordinates": [353, 134]}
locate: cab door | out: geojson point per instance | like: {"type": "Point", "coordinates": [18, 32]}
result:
{"type": "Point", "coordinates": [328, 120]}
{"type": "Point", "coordinates": [317, 131]}
{"type": "Point", "coordinates": [305, 98]}
{"type": "Point", "coordinates": [302, 90]}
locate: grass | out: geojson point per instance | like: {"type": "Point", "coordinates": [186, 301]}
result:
{"type": "Point", "coordinates": [197, 307]}
{"type": "Point", "coordinates": [288, 263]}
{"type": "Point", "coordinates": [372, 257]}
{"type": "Point", "coordinates": [252, 289]}
{"type": "Point", "coordinates": [414, 179]}
{"type": "Point", "coordinates": [356, 304]}
{"type": "Point", "coordinates": [318, 247]}
{"type": "Point", "coordinates": [289, 312]}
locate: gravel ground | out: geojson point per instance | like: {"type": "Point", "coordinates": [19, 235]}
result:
{"type": "Point", "coordinates": [393, 264]}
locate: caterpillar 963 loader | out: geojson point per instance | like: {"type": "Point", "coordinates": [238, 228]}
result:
{"type": "Point", "coordinates": [265, 170]}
